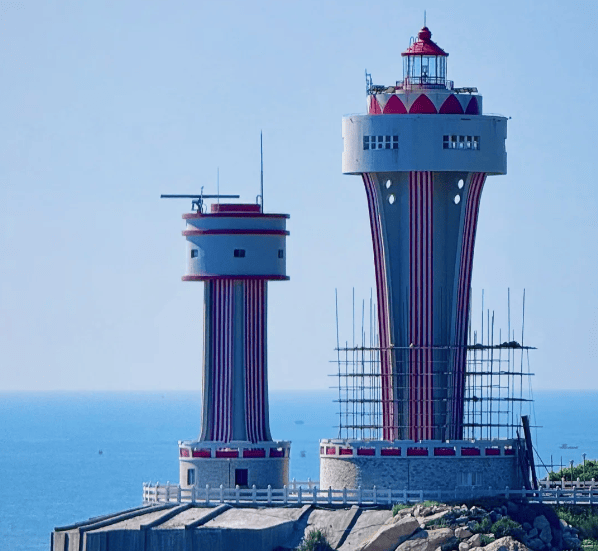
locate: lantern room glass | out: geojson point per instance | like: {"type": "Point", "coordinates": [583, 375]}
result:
{"type": "Point", "coordinates": [424, 70]}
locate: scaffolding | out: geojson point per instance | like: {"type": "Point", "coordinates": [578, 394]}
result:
{"type": "Point", "coordinates": [498, 377]}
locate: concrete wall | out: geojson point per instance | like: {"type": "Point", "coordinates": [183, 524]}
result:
{"type": "Point", "coordinates": [261, 472]}
{"type": "Point", "coordinates": [420, 473]}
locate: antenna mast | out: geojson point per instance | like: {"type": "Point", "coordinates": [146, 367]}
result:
{"type": "Point", "coordinates": [262, 169]}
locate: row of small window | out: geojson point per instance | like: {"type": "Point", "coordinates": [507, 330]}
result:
{"type": "Point", "coordinates": [461, 142]}
{"type": "Point", "coordinates": [380, 142]}
{"type": "Point", "coordinates": [238, 253]}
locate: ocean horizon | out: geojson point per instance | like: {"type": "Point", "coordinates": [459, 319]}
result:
{"type": "Point", "coordinates": [69, 456]}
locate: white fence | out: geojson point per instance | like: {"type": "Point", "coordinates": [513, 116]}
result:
{"type": "Point", "coordinates": [297, 495]}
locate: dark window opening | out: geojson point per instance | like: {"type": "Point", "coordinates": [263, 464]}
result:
{"type": "Point", "coordinates": [239, 253]}
{"type": "Point", "coordinates": [191, 477]}
{"type": "Point", "coordinates": [194, 253]}
{"type": "Point", "coordinates": [280, 253]}
{"type": "Point", "coordinates": [241, 477]}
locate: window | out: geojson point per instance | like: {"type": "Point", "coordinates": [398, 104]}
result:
{"type": "Point", "coordinates": [460, 142]}
{"type": "Point", "coordinates": [280, 253]}
{"type": "Point", "coordinates": [239, 253]}
{"type": "Point", "coordinates": [194, 253]}
{"type": "Point", "coordinates": [190, 477]}
{"type": "Point", "coordinates": [241, 477]}
{"type": "Point", "coordinates": [380, 142]}
{"type": "Point", "coordinates": [471, 479]}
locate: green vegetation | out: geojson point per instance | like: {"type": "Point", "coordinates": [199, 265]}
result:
{"type": "Point", "coordinates": [482, 527]}
{"type": "Point", "coordinates": [314, 541]}
{"type": "Point", "coordinates": [507, 527]}
{"type": "Point", "coordinates": [579, 471]}
{"type": "Point", "coordinates": [583, 517]}
{"type": "Point", "coordinates": [399, 507]}
{"type": "Point", "coordinates": [486, 539]}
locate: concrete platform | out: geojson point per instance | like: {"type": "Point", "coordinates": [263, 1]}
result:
{"type": "Point", "coordinates": [219, 528]}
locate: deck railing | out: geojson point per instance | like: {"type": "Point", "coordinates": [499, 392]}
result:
{"type": "Point", "coordinates": [298, 495]}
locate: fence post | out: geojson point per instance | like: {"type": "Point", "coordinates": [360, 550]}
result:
{"type": "Point", "coordinates": [308, 483]}
{"type": "Point", "coordinates": [375, 495]}
{"type": "Point", "coordinates": [299, 492]}
{"type": "Point", "coordinates": [574, 495]}
{"type": "Point", "coordinates": [557, 496]}
{"type": "Point", "coordinates": [330, 494]}
{"type": "Point", "coordinates": [207, 494]}
{"type": "Point", "coordinates": [345, 495]}
{"type": "Point", "coordinates": [405, 495]}
{"type": "Point", "coordinates": [294, 484]}
{"type": "Point", "coordinates": [359, 495]}
{"type": "Point", "coordinates": [269, 494]}
{"type": "Point", "coordinates": [421, 496]}
{"type": "Point", "coordinates": [253, 493]}
{"type": "Point", "coordinates": [157, 492]}
{"type": "Point", "coordinates": [541, 495]}
{"type": "Point", "coordinates": [315, 494]}
{"type": "Point", "coordinates": [167, 491]}
{"type": "Point", "coordinates": [193, 494]}
{"type": "Point", "coordinates": [285, 494]}
{"type": "Point", "coordinates": [507, 492]}
{"type": "Point", "coordinates": [237, 493]}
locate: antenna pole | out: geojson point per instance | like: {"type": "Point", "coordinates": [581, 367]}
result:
{"type": "Point", "coordinates": [424, 18]}
{"type": "Point", "coordinates": [262, 169]}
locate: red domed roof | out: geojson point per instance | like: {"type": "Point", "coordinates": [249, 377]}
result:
{"type": "Point", "coordinates": [424, 45]}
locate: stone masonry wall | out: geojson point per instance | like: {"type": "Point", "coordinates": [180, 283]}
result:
{"type": "Point", "coordinates": [421, 473]}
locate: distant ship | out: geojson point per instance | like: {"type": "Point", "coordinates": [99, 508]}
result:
{"type": "Point", "coordinates": [567, 447]}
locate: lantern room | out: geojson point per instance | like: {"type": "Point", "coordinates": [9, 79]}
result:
{"type": "Point", "coordinates": [424, 63]}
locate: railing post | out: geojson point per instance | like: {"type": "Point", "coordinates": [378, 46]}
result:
{"type": "Point", "coordinates": [330, 494]}
{"type": "Point", "coordinates": [269, 494]}
{"type": "Point", "coordinates": [308, 483]}
{"type": "Point", "coordinates": [178, 493]}
{"type": "Point", "coordinates": [207, 494]}
{"type": "Point", "coordinates": [574, 495]}
{"type": "Point", "coordinates": [345, 495]}
{"type": "Point", "coordinates": [285, 494]}
{"type": "Point", "coordinates": [591, 496]}
{"type": "Point", "coordinates": [359, 495]}
{"type": "Point", "coordinates": [253, 494]}
{"type": "Point", "coordinates": [294, 484]}
{"type": "Point", "coordinates": [157, 492]}
{"type": "Point", "coordinates": [237, 493]}
{"type": "Point", "coordinates": [404, 495]}
{"type": "Point", "coordinates": [221, 493]}
{"type": "Point", "coordinates": [315, 494]}
{"type": "Point", "coordinates": [375, 496]}
{"type": "Point", "coordinates": [421, 495]}
{"type": "Point", "coordinates": [507, 492]}
{"type": "Point", "coordinates": [299, 492]}
{"type": "Point", "coordinates": [541, 495]}
{"type": "Point", "coordinates": [557, 496]}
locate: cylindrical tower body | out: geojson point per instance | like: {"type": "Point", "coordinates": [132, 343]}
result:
{"type": "Point", "coordinates": [424, 151]}
{"type": "Point", "coordinates": [235, 250]}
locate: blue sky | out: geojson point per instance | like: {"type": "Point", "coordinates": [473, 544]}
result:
{"type": "Point", "coordinates": [106, 105]}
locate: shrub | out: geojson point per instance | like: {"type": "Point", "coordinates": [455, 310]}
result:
{"type": "Point", "coordinates": [482, 527]}
{"type": "Point", "coordinates": [315, 540]}
{"type": "Point", "coordinates": [486, 539]}
{"type": "Point", "coordinates": [399, 507]}
{"type": "Point", "coordinates": [582, 517]}
{"type": "Point", "coordinates": [507, 527]}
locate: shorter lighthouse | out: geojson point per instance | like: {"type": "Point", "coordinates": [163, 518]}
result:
{"type": "Point", "coordinates": [235, 249]}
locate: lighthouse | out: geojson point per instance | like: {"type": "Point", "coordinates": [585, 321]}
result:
{"type": "Point", "coordinates": [424, 150]}
{"type": "Point", "coordinates": [234, 249]}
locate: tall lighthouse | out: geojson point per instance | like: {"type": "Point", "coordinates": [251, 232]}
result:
{"type": "Point", "coordinates": [235, 249]}
{"type": "Point", "coordinates": [424, 151]}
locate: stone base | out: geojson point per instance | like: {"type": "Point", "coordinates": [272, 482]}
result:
{"type": "Point", "coordinates": [240, 464]}
{"type": "Point", "coordinates": [344, 467]}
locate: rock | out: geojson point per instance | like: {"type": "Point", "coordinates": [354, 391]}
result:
{"type": "Point", "coordinates": [571, 543]}
{"type": "Point", "coordinates": [463, 533]}
{"type": "Point", "coordinates": [463, 546]}
{"type": "Point", "coordinates": [505, 544]}
{"type": "Point", "coordinates": [452, 544]}
{"type": "Point", "coordinates": [475, 541]}
{"type": "Point", "coordinates": [526, 526]}
{"type": "Point", "coordinates": [536, 544]}
{"type": "Point", "coordinates": [391, 534]}
{"type": "Point", "coordinates": [541, 522]}
{"type": "Point", "coordinates": [477, 511]}
{"type": "Point", "coordinates": [436, 516]}
{"type": "Point", "coordinates": [461, 520]}
{"type": "Point", "coordinates": [532, 533]}
{"type": "Point", "coordinates": [439, 537]}
{"type": "Point", "coordinates": [546, 535]}
{"type": "Point", "coordinates": [563, 524]}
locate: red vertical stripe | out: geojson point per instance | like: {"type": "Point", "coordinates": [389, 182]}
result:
{"type": "Point", "coordinates": [462, 315]}
{"type": "Point", "coordinates": [389, 428]}
{"type": "Point", "coordinates": [421, 381]}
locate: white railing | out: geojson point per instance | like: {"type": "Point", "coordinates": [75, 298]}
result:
{"type": "Point", "coordinates": [173, 493]}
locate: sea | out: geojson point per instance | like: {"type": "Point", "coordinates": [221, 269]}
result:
{"type": "Point", "coordinates": [66, 456]}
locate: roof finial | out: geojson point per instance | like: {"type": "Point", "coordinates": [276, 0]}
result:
{"type": "Point", "coordinates": [424, 18]}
